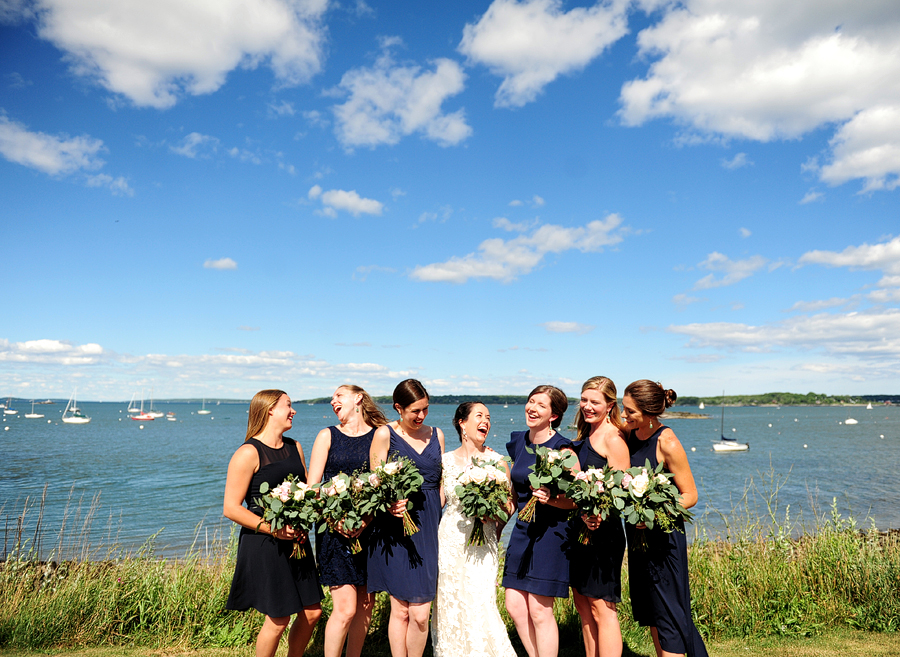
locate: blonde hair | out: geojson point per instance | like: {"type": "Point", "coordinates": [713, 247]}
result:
{"type": "Point", "coordinates": [260, 405]}
{"type": "Point", "coordinates": [371, 412]}
{"type": "Point", "coordinates": [607, 388]}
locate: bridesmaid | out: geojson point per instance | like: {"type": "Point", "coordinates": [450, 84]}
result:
{"type": "Point", "coordinates": [345, 448]}
{"type": "Point", "coordinates": [536, 568]}
{"type": "Point", "coordinates": [658, 577]}
{"type": "Point", "coordinates": [266, 576]}
{"type": "Point", "coordinates": [407, 566]}
{"type": "Point", "coordinates": [596, 569]}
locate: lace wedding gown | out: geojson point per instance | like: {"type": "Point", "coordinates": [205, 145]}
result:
{"type": "Point", "coordinates": [465, 621]}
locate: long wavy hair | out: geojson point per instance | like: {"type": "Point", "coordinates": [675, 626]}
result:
{"type": "Point", "coordinates": [606, 388]}
{"type": "Point", "coordinates": [371, 412]}
{"type": "Point", "coordinates": [260, 405]}
{"type": "Point", "coordinates": [558, 402]}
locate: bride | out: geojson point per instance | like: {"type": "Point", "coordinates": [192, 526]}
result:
{"type": "Point", "coordinates": [465, 620]}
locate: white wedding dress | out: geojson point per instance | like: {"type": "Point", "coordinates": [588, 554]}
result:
{"type": "Point", "coordinates": [465, 621]}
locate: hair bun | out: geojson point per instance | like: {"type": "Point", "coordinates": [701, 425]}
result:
{"type": "Point", "coordinates": [671, 396]}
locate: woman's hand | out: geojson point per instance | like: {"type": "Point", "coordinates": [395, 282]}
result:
{"type": "Point", "coordinates": [542, 494]}
{"type": "Point", "coordinates": [592, 522]}
{"type": "Point", "coordinates": [344, 532]}
{"type": "Point", "coordinates": [398, 508]}
{"type": "Point", "coordinates": [288, 533]}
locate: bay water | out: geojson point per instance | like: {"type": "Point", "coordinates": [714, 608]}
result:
{"type": "Point", "coordinates": [166, 479]}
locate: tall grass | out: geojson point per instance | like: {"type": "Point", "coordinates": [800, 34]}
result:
{"type": "Point", "coordinates": [764, 574]}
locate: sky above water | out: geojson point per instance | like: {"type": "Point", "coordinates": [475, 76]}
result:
{"type": "Point", "coordinates": [210, 197]}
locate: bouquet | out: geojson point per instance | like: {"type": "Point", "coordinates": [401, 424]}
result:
{"type": "Point", "coordinates": [553, 469]}
{"type": "Point", "coordinates": [391, 482]}
{"type": "Point", "coordinates": [483, 491]}
{"type": "Point", "coordinates": [292, 502]}
{"type": "Point", "coordinates": [644, 494]}
{"type": "Point", "coordinates": [340, 499]}
{"type": "Point", "coordinates": [592, 494]}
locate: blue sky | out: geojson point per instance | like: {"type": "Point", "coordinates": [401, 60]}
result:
{"type": "Point", "coordinates": [210, 198]}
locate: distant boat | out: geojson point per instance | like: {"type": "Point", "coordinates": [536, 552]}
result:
{"type": "Point", "coordinates": [8, 410]}
{"type": "Point", "coordinates": [131, 407]}
{"type": "Point", "coordinates": [702, 406]}
{"type": "Point", "coordinates": [33, 415]}
{"type": "Point", "coordinates": [72, 414]}
{"type": "Point", "coordinates": [203, 410]}
{"type": "Point", "coordinates": [151, 412]}
{"type": "Point", "coordinates": [869, 406]}
{"type": "Point", "coordinates": [170, 416]}
{"type": "Point", "coordinates": [850, 420]}
{"type": "Point", "coordinates": [728, 444]}
{"type": "Point", "coordinates": [141, 416]}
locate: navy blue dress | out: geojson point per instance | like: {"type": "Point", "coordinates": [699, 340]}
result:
{"type": "Point", "coordinates": [536, 559]}
{"type": "Point", "coordinates": [596, 569]}
{"type": "Point", "coordinates": [337, 565]}
{"type": "Point", "coordinates": [658, 577]}
{"type": "Point", "coordinates": [407, 566]}
{"type": "Point", "coordinates": [266, 577]}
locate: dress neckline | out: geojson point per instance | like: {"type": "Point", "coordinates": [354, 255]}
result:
{"type": "Point", "coordinates": [408, 444]}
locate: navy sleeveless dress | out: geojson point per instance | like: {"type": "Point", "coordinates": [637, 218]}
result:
{"type": "Point", "coordinates": [658, 577]}
{"type": "Point", "coordinates": [337, 565]}
{"type": "Point", "coordinates": [536, 559]}
{"type": "Point", "coordinates": [266, 577]}
{"type": "Point", "coordinates": [596, 569]}
{"type": "Point", "coordinates": [407, 566]}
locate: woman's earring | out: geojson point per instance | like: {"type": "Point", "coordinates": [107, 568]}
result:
{"type": "Point", "coordinates": [465, 435]}
{"type": "Point", "coordinates": [651, 424]}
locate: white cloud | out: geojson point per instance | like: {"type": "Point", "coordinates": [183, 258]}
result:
{"type": "Point", "coordinates": [505, 224]}
{"type": "Point", "coordinates": [337, 199]}
{"type": "Point", "coordinates": [567, 327]}
{"type": "Point", "coordinates": [733, 271]}
{"type": "Point", "coordinates": [196, 145]}
{"type": "Point", "coordinates": [811, 196]}
{"type": "Point", "coordinates": [515, 203]}
{"type": "Point", "coordinates": [221, 263]}
{"type": "Point", "coordinates": [389, 101]}
{"type": "Point", "coordinates": [738, 161]}
{"type": "Point", "coordinates": [529, 44]}
{"type": "Point", "coordinates": [118, 186]}
{"type": "Point", "coordinates": [53, 352]}
{"type": "Point", "coordinates": [284, 108]}
{"type": "Point", "coordinates": [683, 300]}
{"type": "Point", "coordinates": [745, 232]}
{"type": "Point", "coordinates": [883, 257]}
{"type": "Point", "coordinates": [152, 53]}
{"type": "Point", "coordinates": [506, 260]}
{"type": "Point", "coordinates": [749, 69]}
{"type": "Point", "coordinates": [54, 155]}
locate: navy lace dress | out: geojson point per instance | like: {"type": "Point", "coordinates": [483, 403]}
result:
{"type": "Point", "coordinates": [266, 577]}
{"type": "Point", "coordinates": [337, 565]}
{"type": "Point", "coordinates": [536, 559]}
{"type": "Point", "coordinates": [658, 576]}
{"type": "Point", "coordinates": [407, 566]}
{"type": "Point", "coordinates": [596, 569]}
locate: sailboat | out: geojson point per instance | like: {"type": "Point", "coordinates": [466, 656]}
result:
{"type": "Point", "coordinates": [9, 410]}
{"type": "Point", "coordinates": [151, 412]}
{"type": "Point", "coordinates": [141, 416]}
{"type": "Point", "coordinates": [728, 444]}
{"type": "Point", "coordinates": [131, 407]}
{"type": "Point", "coordinates": [702, 406]}
{"type": "Point", "coordinates": [203, 410]}
{"type": "Point", "coordinates": [33, 415]}
{"type": "Point", "coordinates": [869, 406]}
{"type": "Point", "coordinates": [72, 414]}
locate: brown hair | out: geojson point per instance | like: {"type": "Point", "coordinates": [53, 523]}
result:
{"type": "Point", "coordinates": [558, 402]}
{"type": "Point", "coordinates": [371, 412]}
{"type": "Point", "coordinates": [463, 411]}
{"type": "Point", "coordinates": [650, 397]}
{"type": "Point", "coordinates": [260, 405]}
{"type": "Point", "coordinates": [409, 391]}
{"type": "Point", "coordinates": [606, 388]}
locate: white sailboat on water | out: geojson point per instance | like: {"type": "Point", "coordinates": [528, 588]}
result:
{"type": "Point", "coordinates": [203, 410]}
{"type": "Point", "coordinates": [9, 410]}
{"type": "Point", "coordinates": [151, 412]}
{"type": "Point", "coordinates": [141, 416]}
{"type": "Point", "coordinates": [728, 444]}
{"type": "Point", "coordinates": [72, 414]}
{"type": "Point", "coordinates": [131, 407]}
{"type": "Point", "coordinates": [33, 415]}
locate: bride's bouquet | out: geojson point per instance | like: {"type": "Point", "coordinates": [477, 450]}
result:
{"type": "Point", "coordinates": [552, 468]}
{"type": "Point", "coordinates": [483, 491]}
{"type": "Point", "coordinates": [391, 482]}
{"type": "Point", "coordinates": [592, 493]}
{"type": "Point", "coordinates": [292, 502]}
{"type": "Point", "coordinates": [340, 499]}
{"type": "Point", "coordinates": [644, 494]}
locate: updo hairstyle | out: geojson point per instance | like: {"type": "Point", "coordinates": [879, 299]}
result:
{"type": "Point", "coordinates": [463, 411]}
{"type": "Point", "coordinates": [409, 392]}
{"type": "Point", "coordinates": [650, 397]}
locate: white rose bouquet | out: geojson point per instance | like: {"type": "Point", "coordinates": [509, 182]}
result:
{"type": "Point", "coordinates": [552, 468]}
{"type": "Point", "coordinates": [390, 482]}
{"type": "Point", "coordinates": [592, 493]}
{"type": "Point", "coordinates": [341, 499]}
{"type": "Point", "coordinates": [293, 503]}
{"type": "Point", "coordinates": [483, 491]}
{"type": "Point", "coordinates": [646, 495]}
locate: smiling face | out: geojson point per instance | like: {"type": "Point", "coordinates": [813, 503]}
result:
{"type": "Point", "coordinates": [594, 406]}
{"type": "Point", "coordinates": [281, 415]}
{"type": "Point", "coordinates": [632, 416]}
{"type": "Point", "coordinates": [344, 403]}
{"type": "Point", "coordinates": [413, 416]}
{"type": "Point", "coordinates": [478, 425]}
{"type": "Point", "coordinates": [538, 411]}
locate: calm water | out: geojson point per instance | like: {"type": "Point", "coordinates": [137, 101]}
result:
{"type": "Point", "coordinates": [168, 477]}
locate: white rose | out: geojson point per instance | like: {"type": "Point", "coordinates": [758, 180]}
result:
{"type": "Point", "coordinates": [374, 481]}
{"type": "Point", "coordinates": [553, 456]}
{"type": "Point", "coordinates": [478, 475]}
{"type": "Point", "coordinates": [392, 468]}
{"type": "Point", "coordinates": [464, 478]}
{"type": "Point", "coordinates": [501, 476]}
{"type": "Point", "coordinates": [339, 484]}
{"type": "Point", "coordinates": [640, 484]}
{"type": "Point", "coordinates": [662, 479]}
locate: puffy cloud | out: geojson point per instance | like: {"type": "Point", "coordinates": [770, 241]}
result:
{"type": "Point", "coordinates": [118, 186]}
{"type": "Point", "coordinates": [196, 145]}
{"type": "Point", "coordinates": [749, 69]}
{"type": "Point", "coordinates": [733, 271]}
{"type": "Point", "coordinates": [389, 101]}
{"type": "Point", "coordinates": [529, 44]}
{"type": "Point", "coordinates": [153, 52]}
{"type": "Point", "coordinates": [567, 327]}
{"type": "Point", "coordinates": [221, 263]}
{"type": "Point", "coordinates": [811, 196]}
{"type": "Point", "coordinates": [45, 351]}
{"type": "Point", "coordinates": [738, 161]}
{"type": "Point", "coordinates": [337, 199]}
{"type": "Point", "coordinates": [745, 232]}
{"type": "Point", "coordinates": [505, 260]}
{"type": "Point", "coordinates": [883, 257]}
{"type": "Point", "coordinates": [54, 155]}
